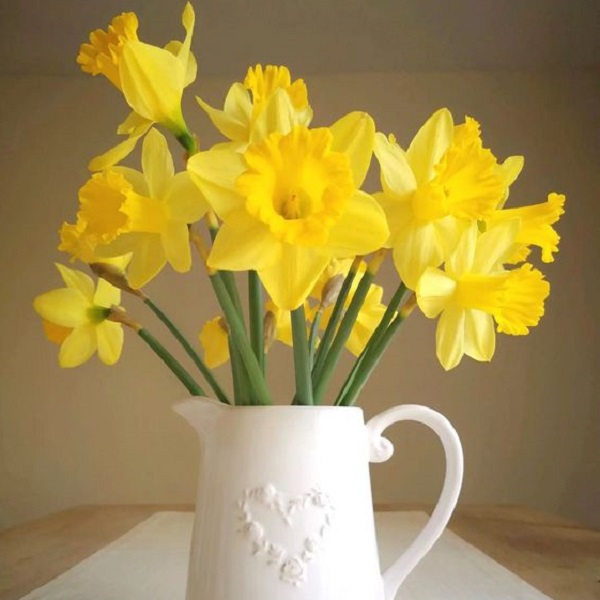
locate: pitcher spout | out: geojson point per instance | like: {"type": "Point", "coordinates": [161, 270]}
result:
{"type": "Point", "coordinates": [201, 413]}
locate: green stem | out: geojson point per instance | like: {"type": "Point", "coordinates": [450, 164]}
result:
{"type": "Point", "coordinates": [389, 313]}
{"type": "Point", "coordinates": [256, 310]}
{"type": "Point", "coordinates": [312, 338]}
{"type": "Point", "coordinates": [238, 376]}
{"type": "Point", "coordinates": [333, 322]}
{"type": "Point", "coordinates": [229, 281]}
{"type": "Point", "coordinates": [192, 386]}
{"type": "Point", "coordinates": [188, 141]}
{"type": "Point", "coordinates": [370, 361]}
{"type": "Point", "coordinates": [256, 379]}
{"type": "Point", "coordinates": [301, 360]}
{"type": "Point", "coordinates": [206, 372]}
{"type": "Point", "coordinates": [342, 335]}
{"type": "Point", "coordinates": [380, 330]}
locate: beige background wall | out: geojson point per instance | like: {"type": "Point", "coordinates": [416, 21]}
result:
{"type": "Point", "coordinates": [529, 421]}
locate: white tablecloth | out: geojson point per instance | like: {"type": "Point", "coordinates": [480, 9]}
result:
{"type": "Point", "coordinates": [150, 563]}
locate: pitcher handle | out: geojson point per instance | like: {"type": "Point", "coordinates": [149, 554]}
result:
{"type": "Point", "coordinates": [381, 449]}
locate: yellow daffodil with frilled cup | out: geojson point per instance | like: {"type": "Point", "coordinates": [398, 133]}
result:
{"type": "Point", "coordinates": [475, 289]}
{"type": "Point", "coordinates": [284, 202]}
{"type": "Point", "coordinates": [258, 106]}
{"type": "Point", "coordinates": [152, 79]}
{"type": "Point", "coordinates": [442, 185]}
{"type": "Point", "coordinates": [142, 214]}
{"type": "Point", "coordinates": [291, 203]}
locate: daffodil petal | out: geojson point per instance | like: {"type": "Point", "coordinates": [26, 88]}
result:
{"type": "Point", "coordinates": [494, 246]}
{"type": "Point", "coordinates": [215, 173]}
{"type": "Point", "coordinates": [361, 229]}
{"type": "Point", "coordinates": [135, 178]}
{"type": "Point", "coordinates": [450, 231]}
{"type": "Point", "coordinates": [134, 124]}
{"type": "Point", "coordinates": [147, 261]}
{"type": "Point", "coordinates": [153, 80]}
{"type": "Point", "coordinates": [175, 48]}
{"type": "Point", "coordinates": [398, 214]}
{"type": "Point", "coordinates": [185, 200]}
{"type": "Point", "coordinates": [434, 291]}
{"type": "Point", "coordinates": [65, 306]}
{"type": "Point", "coordinates": [480, 337]}
{"type": "Point", "coordinates": [430, 143]}
{"type": "Point", "coordinates": [354, 135]}
{"type": "Point", "coordinates": [291, 278]}
{"type": "Point", "coordinates": [234, 121]}
{"type": "Point", "coordinates": [461, 259]}
{"type": "Point", "coordinates": [279, 115]}
{"type": "Point", "coordinates": [215, 343]}
{"type": "Point", "coordinates": [188, 20]}
{"type": "Point", "coordinates": [508, 171]}
{"type": "Point", "coordinates": [109, 339]}
{"type": "Point", "coordinates": [78, 347]}
{"type": "Point", "coordinates": [114, 155]}
{"type": "Point", "coordinates": [449, 337]}
{"type": "Point", "coordinates": [124, 244]}
{"type": "Point", "coordinates": [238, 103]}
{"type": "Point", "coordinates": [238, 147]}
{"type": "Point", "coordinates": [415, 250]}
{"type": "Point", "coordinates": [76, 280]}
{"type": "Point", "coordinates": [176, 244]}
{"type": "Point", "coordinates": [243, 243]}
{"type": "Point", "coordinates": [107, 295]}
{"type": "Point", "coordinates": [157, 163]}
{"type": "Point", "coordinates": [397, 177]}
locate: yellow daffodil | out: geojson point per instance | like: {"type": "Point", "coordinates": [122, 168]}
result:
{"type": "Point", "coordinates": [535, 229]}
{"type": "Point", "coordinates": [474, 291]}
{"type": "Point", "coordinates": [214, 338]}
{"type": "Point", "coordinates": [152, 79]}
{"type": "Point", "coordinates": [441, 186]}
{"type": "Point", "coordinates": [76, 318]}
{"type": "Point", "coordinates": [251, 108]}
{"type": "Point", "coordinates": [292, 203]}
{"type": "Point", "coordinates": [146, 215]}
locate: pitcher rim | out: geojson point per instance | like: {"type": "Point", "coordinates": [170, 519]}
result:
{"type": "Point", "coordinates": [295, 407]}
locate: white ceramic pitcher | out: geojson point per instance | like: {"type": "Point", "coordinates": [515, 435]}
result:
{"type": "Point", "coordinates": [284, 506]}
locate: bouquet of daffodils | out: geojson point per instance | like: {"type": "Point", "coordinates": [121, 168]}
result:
{"type": "Point", "coordinates": [283, 201]}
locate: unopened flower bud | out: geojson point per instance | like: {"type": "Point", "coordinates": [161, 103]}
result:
{"type": "Point", "coordinates": [115, 276]}
{"type": "Point", "coordinates": [269, 329]}
{"type": "Point", "coordinates": [331, 290]}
